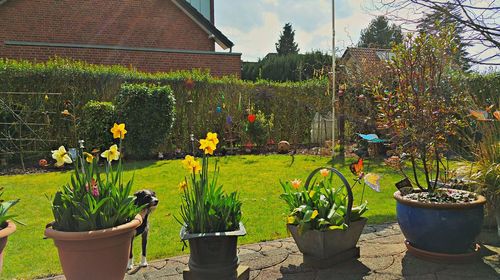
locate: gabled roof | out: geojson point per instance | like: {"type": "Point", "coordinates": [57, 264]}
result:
{"type": "Point", "coordinates": [367, 55]}
{"type": "Point", "coordinates": [205, 24]}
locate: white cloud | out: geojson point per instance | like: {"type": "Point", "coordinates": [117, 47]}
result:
{"type": "Point", "coordinates": [254, 26]}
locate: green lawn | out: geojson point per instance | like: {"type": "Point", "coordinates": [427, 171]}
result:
{"type": "Point", "coordinates": [28, 255]}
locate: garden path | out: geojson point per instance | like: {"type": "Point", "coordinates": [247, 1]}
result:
{"type": "Point", "coordinates": [383, 256]}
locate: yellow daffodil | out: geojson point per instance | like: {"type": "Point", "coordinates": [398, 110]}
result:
{"type": "Point", "coordinates": [118, 131]}
{"type": "Point", "coordinates": [324, 172]}
{"type": "Point", "coordinates": [61, 156]}
{"type": "Point", "coordinates": [66, 113]}
{"type": "Point", "coordinates": [196, 167]}
{"type": "Point", "coordinates": [314, 214]}
{"type": "Point", "coordinates": [290, 220]}
{"type": "Point", "coordinates": [88, 157]}
{"type": "Point", "coordinates": [311, 193]}
{"type": "Point", "coordinates": [183, 186]}
{"type": "Point", "coordinates": [207, 146]}
{"type": "Point", "coordinates": [213, 138]}
{"type": "Point", "coordinates": [191, 164]}
{"type": "Point", "coordinates": [296, 183]}
{"type": "Point", "coordinates": [111, 154]}
{"type": "Point", "coordinates": [188, 161]}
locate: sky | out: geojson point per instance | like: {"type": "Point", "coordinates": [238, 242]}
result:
{"type": "Point", "coordinates": [254, 26]}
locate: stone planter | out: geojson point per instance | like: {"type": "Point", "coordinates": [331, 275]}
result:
{"type": "Point", "coordinates": [4, 234]}
{"type": "Point", "coordinates": [98, 255]}
{"type": "Point", "coordinates": [446, 228]}
{"type": "Point", "coordinates": [213, 255]}
{"type": "Point", "coordinates": [325, 246]}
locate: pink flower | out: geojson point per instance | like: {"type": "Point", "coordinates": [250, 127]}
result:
{"type": "Point", "coordinates": [95, 191]}
{"type": "Point", "coordinates": [93, 185]}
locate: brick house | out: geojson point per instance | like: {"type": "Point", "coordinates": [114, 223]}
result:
{"type": "Point", "coordinates": [366, 62]}
{"type": "Point", "coordinates": [150, 35]}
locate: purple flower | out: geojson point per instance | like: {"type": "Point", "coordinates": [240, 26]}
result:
{"type": "Point", "coordinates": [229, 120]}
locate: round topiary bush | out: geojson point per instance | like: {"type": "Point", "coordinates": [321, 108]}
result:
{"type": "Point", "coordinates": [97, 119]}
{"type": "Point", "coordinates": [148, 112]}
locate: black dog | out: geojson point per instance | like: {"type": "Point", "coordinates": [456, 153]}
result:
{"type": "Point", "coordinates": [148, 198]}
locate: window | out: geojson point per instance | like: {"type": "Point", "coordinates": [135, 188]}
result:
{"type": "Point", "coordinates": [203, 6]}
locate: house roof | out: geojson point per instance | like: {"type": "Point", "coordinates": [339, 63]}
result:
{"type": "Point", "coordinates": [205, 24]}
{"type": "Point", "coordinates": [199, 19]}
{"type": "Point", "coordinates": [367, 55]}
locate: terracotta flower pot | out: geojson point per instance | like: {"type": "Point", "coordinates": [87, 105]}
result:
{"type": "Point", "coordinates": [97, 255]}
{"type": "Point", "coordinates": [4, 234]}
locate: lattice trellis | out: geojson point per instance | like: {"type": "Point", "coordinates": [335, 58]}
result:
{"type": "Point", "coordinates": [26, 123]}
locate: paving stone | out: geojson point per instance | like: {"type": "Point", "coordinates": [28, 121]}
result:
{"type": "Point", "coordinates": [379, 263]}
{"type": "Point", "coordinates": [383, 256]}
{"type": "Point", "coordinates": [263, 261]}
{"type": "Point", "coordinates": [474, 270]}
{"type": "Point", "coordinates": [390, 239]}
{"type": "Point", "coordinates": [254, 247]}
{"type": "Point", "coordinates": [347, 270]}
{"type": "Point", "coordinates": [294, 264]}
{"type": "Point", "coordinates": [409, 266]}
{"type": "Point", "coordinates": [378, 250]}
{"type": "Point", "coordinates": [244, 251]}
{"type": "Point", "coordinates": [368, 236]}
{"type": "Point", "coordinates": [151, 273]}
{"type": "Point", "coordinates": [279, 251]}
{"type": "Point", "coordinates": [382, 276]}
{"type": "Point", "coordinates": [254, 274]}
{"type": "Point", "coordinates": [277, 274]}
{"type": "Point", "coordinates": [180, 259]}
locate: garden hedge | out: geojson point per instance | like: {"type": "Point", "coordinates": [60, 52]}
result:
{"type": "Point", "coordinates": [97, 119]}
{"type": "Point", "coordinates": [218, 104]}
{"type": "Point", "coordinates": [148, 112]}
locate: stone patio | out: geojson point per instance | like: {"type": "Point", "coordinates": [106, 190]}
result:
{"type": "Point", "coordinates": [383, 256]}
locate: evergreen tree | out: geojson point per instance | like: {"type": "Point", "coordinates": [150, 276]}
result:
{"type": "Point", "coordinates": [432, 22]}
{"type": "Point", "coordinates": [380, 34]}
{"type": "Point", "coordinates": [286, 43]}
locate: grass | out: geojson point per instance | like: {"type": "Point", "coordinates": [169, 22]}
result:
{"type": "Point", "coordinates": [28, 255]}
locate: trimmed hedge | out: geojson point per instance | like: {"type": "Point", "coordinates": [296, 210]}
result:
{"type": "Point", "coordinates": [97, 119]}
{"type": "Point", "coordinates": [214, 100]}
{"type": "Point", "coordinates": [148, 112]}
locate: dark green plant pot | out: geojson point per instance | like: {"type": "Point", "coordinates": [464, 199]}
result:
{"type": "Point", "coordinates": [213, 255]}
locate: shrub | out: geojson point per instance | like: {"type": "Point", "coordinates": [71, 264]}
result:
{"type": "Point", "coordinates": [424, 107]}
{"type": "Point", "coordinates": [97, 118]}
{"type": "Point", "coordinates": [149, 112]}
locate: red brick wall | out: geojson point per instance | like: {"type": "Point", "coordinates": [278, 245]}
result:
{"type": "Point", "coordinates": [130, 23]}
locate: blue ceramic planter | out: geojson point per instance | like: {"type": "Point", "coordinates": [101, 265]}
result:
{"type": "Point", "coordinates": [442, 228]}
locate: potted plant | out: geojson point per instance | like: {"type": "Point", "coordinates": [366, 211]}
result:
{"type": "Point", "coordinates": [322, 219]}
{"type": "Point", "coordinates": [210, 219]}
{"type": "Point", "coordinates": [7, 226]}
{"type": "Point", "coordinates": [418, 115]}
{"type": "Point", "coordinates": [94, 216]}
{"type": "Point", "coordinates": [483, 169]}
